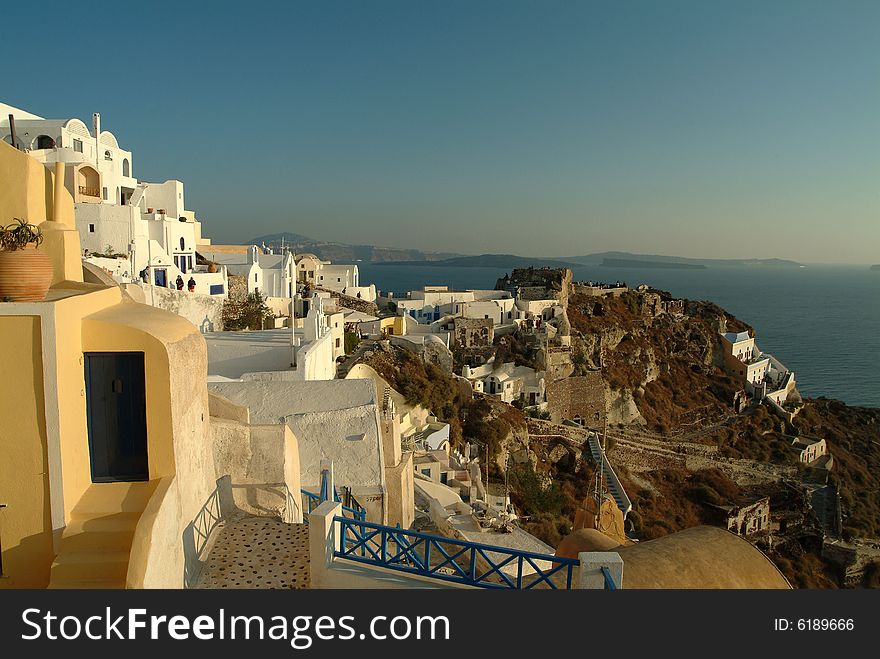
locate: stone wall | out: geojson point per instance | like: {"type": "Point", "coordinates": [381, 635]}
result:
{"type": "Point", "coordinates": [474, 332]}
{"type": "Point", "coordinates": [538, 284]}
{"type": "Point", "coordinates": [203, 311]}
{"type": "Point", "coordinates": [353, 303]}
{"type": "Point", "coordinates": [578, 397]}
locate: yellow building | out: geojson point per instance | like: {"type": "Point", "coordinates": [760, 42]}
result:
{"type": "Point", "coordinates": [106, 436]}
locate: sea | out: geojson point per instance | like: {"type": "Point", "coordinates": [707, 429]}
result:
{"type": "Point", "coordinates": [821, 321]}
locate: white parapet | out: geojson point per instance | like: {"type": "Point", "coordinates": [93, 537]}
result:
{"type": "Point", "coordinates": [590, 575]}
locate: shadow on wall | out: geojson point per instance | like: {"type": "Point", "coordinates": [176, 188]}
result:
{"type": "Point", "coordinates": [221, 507]}
{"type": "Point", "coordinates": [23, 555]}
{"type": "Point", "coordinates": [198, 532]}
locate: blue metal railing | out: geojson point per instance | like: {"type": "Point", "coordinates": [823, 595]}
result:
{"type": "Point", "coordinates": [449, 559]}
{"type": "Point", "coordinates": [609, 580]}
{"type": "Point", "coordinates": [314, 500]}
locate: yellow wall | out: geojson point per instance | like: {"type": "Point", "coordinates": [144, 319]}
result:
{"type": "Point", "coordinates": [28, 193]}
{"type": "Point", "coordinates": [395, 325]}
{"type": "Point", "coordinates": [25, 524]}
{"type": "Point", "coordinates": [27, 189]}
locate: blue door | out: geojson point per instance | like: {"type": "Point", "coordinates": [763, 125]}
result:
{"type": "Point", "coordinates": [117, 416]}
{"type": "Point", "coordinates": [160, 278]}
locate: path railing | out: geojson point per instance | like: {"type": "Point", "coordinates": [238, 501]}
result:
{"type": "Point", "coordinates": [449, 559]}
{"type": "Point", "coordinates": [314, 500]}
{"type": "Point", "coordinates": [609, 580]}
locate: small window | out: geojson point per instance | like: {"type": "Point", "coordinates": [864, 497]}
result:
{"type": "Point", "coordinates": [105, 194]}
{"type": "Point", "coordinates": [337, 343]}
{"type": "Point", "coordinates": [182, 243]}
{"type": "Point", "coordinates": [91, 228]}
{"type": "Point", "coordinates": [78, 145]}
{"type": "Point", "coordinates": [108, 155]}
{"type": "Point", "coordinates": [255, 277]}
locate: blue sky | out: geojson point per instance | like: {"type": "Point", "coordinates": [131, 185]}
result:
{"type": "Point", "coordinates": [704, 128]}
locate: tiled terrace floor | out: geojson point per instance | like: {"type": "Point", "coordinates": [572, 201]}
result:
{"type": "Point", "coordinates": [258, 552]}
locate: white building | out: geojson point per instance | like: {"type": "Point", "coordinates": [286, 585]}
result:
{"type": "Point", "coordinates": [137, 231]}
{"type": "Point", "coordinates": [809, 448]}
{"type": "Point", "coordinates": [434, 303]}
{"type": "Point", "coordinates": [342, 421]}
{"type": "Point", "coordinates": [508, 382]}
{"type": "Point", "coordinates": [305, 353]}
{"type": "Point", "coordinates": [270, 274]}
{"type": "Point", "coordinates": [763, 374]}
{"type": "Point", "coordinates": [344, 279]}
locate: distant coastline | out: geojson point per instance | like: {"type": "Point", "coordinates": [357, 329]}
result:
{"type": "Point", "coordinates": [875, 267]}
{"type": "Point", "coordinates": [489, 261]}
{"type": "Point", "coordinates": [633, 263]}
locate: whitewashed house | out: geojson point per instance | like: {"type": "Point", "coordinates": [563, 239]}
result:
{"type": "Point", "coordinates": [273, 275]}
{"type": "Point", "coordinates": [344, 279]}
{"type": "Point", "coordinates": [434, 303]}
{"type": "Point", "coordinates": [508, 382]}
{"type": "Point", "coordinates": [764, 375]}
{"type": "Point", "coordinates": [139, 232]}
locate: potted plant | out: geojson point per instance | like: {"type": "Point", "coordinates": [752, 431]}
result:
{"type": "Point", "coordinates": [25, 273]}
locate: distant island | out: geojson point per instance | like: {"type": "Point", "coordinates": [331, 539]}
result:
{"type": "Point", "coordinates": [875, 267]}
{"type": "Point", "coordinates": [344, 253]}
{"type": "Point", "coordinates": [598, 257]}
{"type": "Point", "coordinates": [633, 263]}
{"type": "Point", "coordinates": [491, 261]}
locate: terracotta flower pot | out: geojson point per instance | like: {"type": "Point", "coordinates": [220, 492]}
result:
{"type": "Point", "coordinates": [25, 275]}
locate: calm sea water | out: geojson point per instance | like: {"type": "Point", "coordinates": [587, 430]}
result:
{"type": "Point", "coordinates": [822, 322]}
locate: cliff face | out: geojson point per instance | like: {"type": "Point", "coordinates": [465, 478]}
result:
{"type": "Point", "coordinates": [658, 366]}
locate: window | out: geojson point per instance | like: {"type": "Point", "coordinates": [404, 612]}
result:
{"type": "Point", "coordinates": [182, 243]}
{"type": "Point", "coordinates": [337, 343]}
{"type": "Point", "coordinates": [126, 167]}
{"type": "Point", "coordinates": [108, 155]}
{"type": "Point", "coordinates": [77, 145]}
{"type": "Point", "coordinates": [105, 194]}
{"type": "Point", "coordinates": [255, 277]}
{"type": "Point", "coordinates": [91, 228]}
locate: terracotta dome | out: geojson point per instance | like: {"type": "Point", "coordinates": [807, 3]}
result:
{"type": "Point", "coordinates": [699, 557]}
{"type": "Point", "coordinates": [584, 540]}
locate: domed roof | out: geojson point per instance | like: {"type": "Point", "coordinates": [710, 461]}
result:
{"type": "Point", "coordinates": [431, 338]}
{"type": "Point", "coordinates": [699, 557]}
{"type": "Point", "coordinates": [584, 540]}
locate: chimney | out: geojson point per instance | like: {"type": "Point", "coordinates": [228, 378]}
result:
{"type": "Point", "coordinates": [96, 124]}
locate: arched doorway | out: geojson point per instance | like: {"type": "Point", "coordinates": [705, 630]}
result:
{"type": "Point", "coordinates": [43, 142]}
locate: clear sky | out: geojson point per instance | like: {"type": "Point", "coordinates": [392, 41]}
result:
{"type": "Point", "coordinates": [704, 128]}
